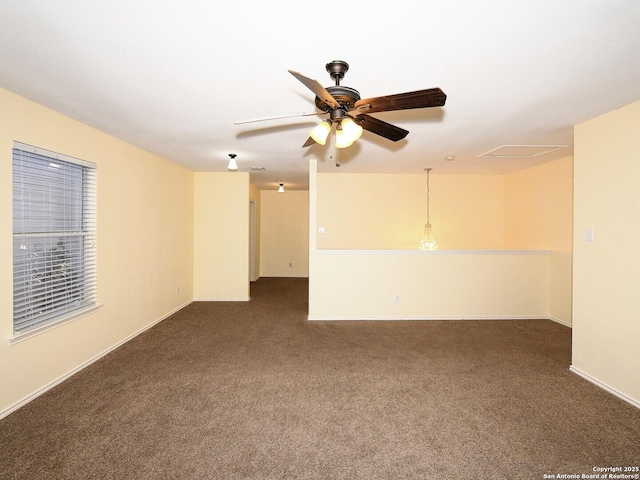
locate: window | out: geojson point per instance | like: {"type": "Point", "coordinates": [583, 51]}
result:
{"type": "Point", "coordinates": [54, 237]}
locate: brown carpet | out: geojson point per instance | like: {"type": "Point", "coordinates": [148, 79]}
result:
{"type": "Point", "coordinates": [252, 390]}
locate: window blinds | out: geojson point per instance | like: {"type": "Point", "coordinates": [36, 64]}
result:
{"type": "Point", "coordinates": [54, 236]}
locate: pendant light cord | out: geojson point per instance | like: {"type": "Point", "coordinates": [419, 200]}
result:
{"type": "Point", "coordinates": [428, 170]}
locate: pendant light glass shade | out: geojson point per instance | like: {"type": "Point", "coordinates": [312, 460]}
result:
{"type": "Point", "coordinates": [342, 140]}
{"type": "Point", "coordinates": [320, 132]}
{"type": "Point", "coordinates": [428, 242]}
{"type": "Point", "coordinates": [351, 129]}
{"type": "Point", "coordinates": [347, 132]}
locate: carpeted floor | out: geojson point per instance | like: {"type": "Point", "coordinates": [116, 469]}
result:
{"type": "Point", "coordinates": [252, 390]}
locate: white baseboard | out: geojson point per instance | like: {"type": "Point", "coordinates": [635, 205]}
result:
{"type": "Point", "coordinates": [510, 317]}
{"type": "Point", "coordinates": [69, 374]}
{"type": "Point", "coordinates": [238, 299]}
{"type": "Point", "coordinates": [606, 387]}
{"type": "Point", "coordinates": [561, 322]}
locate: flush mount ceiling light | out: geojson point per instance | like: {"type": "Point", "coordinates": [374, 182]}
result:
{"type": "Point", "coordinates": [232, 162]}
{"type": "Point", "coordinates": [281, 188]}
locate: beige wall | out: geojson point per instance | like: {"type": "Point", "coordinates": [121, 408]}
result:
{"type": "Point", "coordinates": [221, 236]}
{"type": "Point", "coordinates": [388, 211]}
{"type": "Point", "coordinates": [374, 277]}
{"type": "Point", "coordinates": [145, 238]}
{"type": "Point", "coordinates": [254, 246]}
{"type": "Point", "coordinates": [468, 210]}
{"type": "Point", "coordinates": [411, 284]}
{"type": "Point", "coordinates": [284, 234]}
{"type": "Point", "coordinates": [538, 207]}
{"type": "Point", "coordinates": [527, 210]}
{"type": "Point", "coordinates": [606, 328]}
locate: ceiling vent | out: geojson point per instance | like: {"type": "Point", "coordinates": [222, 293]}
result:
{"type": "Point", "coordinates": [521, 151]}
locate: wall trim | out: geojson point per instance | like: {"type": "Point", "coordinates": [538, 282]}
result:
{"type": "Point", "coordinates": [561, 322]}
{"type": "Point", "coordinates": [430, 252]}
{"type": "Point", "coordinates": [84, 365]}
{"type": "Point", "coordinates": [243, 299]}
{"type": "Point", "coordinates": [479, 318]}
{"type": "Point", "coordinates": [604, 386]}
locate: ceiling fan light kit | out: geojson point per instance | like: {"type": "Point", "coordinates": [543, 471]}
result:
{"type": "Point", "coordinates": [349, 113]}
{"type": "Point", "coordinates": [342, 139]}
{"type": "Point", "coordinates": [351, 129]}
{"type": "Point", "coordinates": [321, 131]}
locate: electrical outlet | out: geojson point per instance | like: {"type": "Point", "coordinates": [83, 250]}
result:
{"type": "Point", "coordinates": [290, 265]}
{"type": "Point", "coordinates": [178, 290]}
{"type": "Point", "coordinates": [397, 299]}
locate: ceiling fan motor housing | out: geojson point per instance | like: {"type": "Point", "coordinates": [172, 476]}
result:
{"type": "Point", "coordinates": [345, 96]}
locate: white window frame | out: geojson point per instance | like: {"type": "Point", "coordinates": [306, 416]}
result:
{"type": "Point", "coordinates": [54, 239]}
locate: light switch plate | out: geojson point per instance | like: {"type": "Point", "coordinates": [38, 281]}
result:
{"type": "Point", "coordinates": [589, 235]}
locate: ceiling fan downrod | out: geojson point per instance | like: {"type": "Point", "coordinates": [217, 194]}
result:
{"type": "Point", "coordinates": [337, 69]}
{"type": "Point", "coordinates": [346, 97]}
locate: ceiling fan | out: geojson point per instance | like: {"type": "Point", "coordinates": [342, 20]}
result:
{"type": "Point", "coordinates": [350, 114]}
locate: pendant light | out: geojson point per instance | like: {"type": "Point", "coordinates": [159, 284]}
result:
{"type": "Point", "coordinates": [281, 188]}
{"type": "Point", "coordinates": [428, 242]}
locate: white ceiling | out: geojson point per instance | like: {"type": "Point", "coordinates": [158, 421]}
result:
{"type": "Point", "coordinates": [173, 77]}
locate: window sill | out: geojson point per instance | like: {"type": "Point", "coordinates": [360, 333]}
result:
{"type": "Point", "coordinates": [18, 337]}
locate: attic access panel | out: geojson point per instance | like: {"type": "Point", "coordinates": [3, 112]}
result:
{"type": "Point", "coordinates": [521, 151]}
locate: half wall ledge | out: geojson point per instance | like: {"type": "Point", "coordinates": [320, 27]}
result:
{"type": "Point", "coordinates": [432, 284]}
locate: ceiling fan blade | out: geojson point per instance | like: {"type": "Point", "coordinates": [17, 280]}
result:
{"type": "Point", "coordinates": [384, 129]}
{"type": "Point", "coordinates": [253, 120]}
{"type": "Point", "coordinates": [432, 97]}
{"type": "Point", "coordinates": [310, 141]}
{"type": "Point", "coordinates": [316, 88]}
